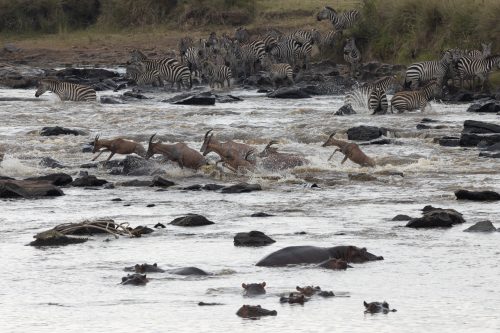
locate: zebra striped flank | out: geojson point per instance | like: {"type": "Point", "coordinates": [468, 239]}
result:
{"type": "Point", "coordinates": [342, 21]}
{"type": "Point", "coordinates": [67, 91]}
{"type": "Point", "coordinates": [413, 100]}
{"type": "Point", "coordinates": [377, 101]}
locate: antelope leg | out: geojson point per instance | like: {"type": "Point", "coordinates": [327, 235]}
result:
{"type": "Point", "coordinates": [102, 151]}
{"type": "Point", "coordinates": [345, 159]}
{"type": "Point", "coordinates": [110, 155]}
{"type": "Point", "coordinates": [336, 150]}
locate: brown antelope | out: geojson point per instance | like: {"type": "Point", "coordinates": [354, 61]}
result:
{"type": "Point", "coordinates": [273, 160]}
{"type": "Point", "coordinates": [178, 152]}
{"type": "Point", "coordinates": [351, 151]}
{"type": "Point", "coordinates": [117, 146]}
{"type": "Point", "coordinates": [233, 155]}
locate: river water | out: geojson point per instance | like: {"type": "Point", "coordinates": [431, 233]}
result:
{"type": "Point", "coordinates": [438, 280]}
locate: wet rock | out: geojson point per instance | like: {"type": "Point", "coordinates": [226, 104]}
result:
{"type": "Point", "coordinates": [361, 177]}
{"type": "Point", "coordinates": [140, 230]}
{"type": "Point", "coordinates": [345, 110]}
{"type": "Point", "coordinates": [57, 130]}
{"type": "Point", "coordinates": [227, 99]}
{"type": "Point", "coordinates": [252, 238]}
{"type": "Point", "coordinates": [150, 205]}
{"type": "Point", "coordinates": [89, 166]}
{"type": "Point", "coordinates": [117, 199]}
{"type": "Point", "coordinates": [489, 155]}
{"type": "Point", "coordinates": [495, 147]}
{"type": "Point", "coordinates": [137, 166]}
{"type": "Point", "coordinates": [401, 217]}
{"type": "Point", "coordinates": [449, 141]}
{"type": "Point", "coordinates": [289, 92]}
{"type": "Point", "coordinates": [474, 126]}
{"type": "Point", "coordinates": [88, 181]}
{"type": "Point", "coordinates": [111, 100]}
{"type": "Point", "coordinates": [49, 162]}
{"type": "Point", "coordinates": [461, 96]}
{"type": "Point", "coordinates": [87, 148]}
{"type": "Point", "coordinates": [365, 133]}
{"type": "Point", "coordinates": [251, 311]}
{"type": "Point", "coordinates": [135, 280]}
{"type": "Point", "coordinates": [482, 226]}
{"type": "Point", "coordinates": [55, 238]}
{"type": "Point", "coordinates": [261, 214]}
{"type": "Point", "coordinates": [436, 218]}
{"type": "Point", "coordinates": [485, 105]}
{"type": "Point", "coordinates": [188, 271]}
{"type": "Point", "coordinates": [204, 98]}
{"type": "Point", "coordinates": [128, 95]}
{"type": "Point", "coordinates": [85, 75]}
{"type": "Point", "coordinates": [191, 220]}
{"type": "Point", "coordinates": [241, 188]}
{"type": "Point", "coordinates": [477, 195]}
{"type": "Point", "coordinates": [19, 76]}
{"type": "Point", "coordinates": [161, 182]}
{"type": "Point", "coordinates": [208, 304]}
{"type": "Point", "coordinates": [57, 179]}
{"type": "Point", "coordinates": [473, 140]}
{"type": "Point", "coordinates": [383, 141]}
{"type": "Point", "coordinates": [195, 187]}
{"type": "Point", "coordinates": [109, 186]}
{"type": "Point", "coordinates": [28, 189]}
{"type": "Point", "coordinates": [136, 183]}
{"type": "Point", "coordinates": [212, 187]}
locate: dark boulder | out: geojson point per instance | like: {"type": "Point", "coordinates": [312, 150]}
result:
{"type": "Point", "coordinates": [137, 166]}
{"type": "Point", "coordinates": [436, 218]}
{"type": "Point", "coordinates": [131, 95]}
{"type": "Point", "coordinates": [252, 238]}
{"type": "Point", "coordinates": [204, 98]}
{"type": "Point", "coordinates": [140, 230]}
{"type": "Point", "coordinates": [261, 214]}
{"type": "Point", "coordinates": [212, 187]}
{"type": "Point", "coordinates": [28, 189]}
{"type": "Point", "coordinates": [365, 133]}
{"type": "Point", "coordinates": [55, 238]}
{"type": "Point", "coordinates": [135, 183]}
{"type": "Point", "coordinates": [289, 92]}
{"type": "Point", "coordinates": [473, 140]}
{"type": "Point", "coordinates": [449, 141]}
{"type": "Point", "coordinates": [477, 195]}
{"type": "Point", "coordinates": [485, 105]}
{"type": "Point", "coordinates": [57, 179]}
{"type": "Point", "coordinates": [161, 182]}
{"type": "Point", "coordinates": [227, 99]}
{"type": "Point", "coordinates": [489, 154]}
{"type": "Point", "coordinates": [481, 127]}
{"type": "Point", "coordinates": [401, 217]}
{"type": "Point", "coordinates": [49, 162]}
{"type": "Point", "coordinates": [241, 188]}
{"type": "Point", "coordinates": [482, 226]}
{"type": "Point", "coordinates": [345, 110]}
{"type": "Point", "coordinates": [111, 100]}
{"type": "Point", "coordinates": [19, 76]}
{"type": "Point", "coordinates": [191, 220]}
{"type": "Point", "coordinates": [57, 130]}
{"type": "Point", "coordinates": [88, 180]}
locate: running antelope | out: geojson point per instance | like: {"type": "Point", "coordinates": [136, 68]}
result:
{"type": "Point", "coordinates": [273, 160]}
{"type": "Point", "coordinates": [233, 155]}
{"type": "Point", "coordinates": [351, 151]}
{"type": "Point", "coordinates": [117, 146]}
{"type": "Point", "coordinates": [178, 152]}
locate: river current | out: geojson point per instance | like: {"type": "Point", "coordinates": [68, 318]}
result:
{"type": "Point", "coordinates": [438, 280]}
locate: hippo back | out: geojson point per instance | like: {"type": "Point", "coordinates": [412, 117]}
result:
{"type": "Point", "coordinates": [295, 255]}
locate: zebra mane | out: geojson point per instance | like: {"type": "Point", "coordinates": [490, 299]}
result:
{"type": "Point", "coordinates": [50, 80]}
{"type": "Point", "coordinates": [331, 9]}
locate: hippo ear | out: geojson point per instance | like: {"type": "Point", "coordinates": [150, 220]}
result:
{"type": "Point", "coordinates": [244, 286]}
{"type": "Point", "coordinates": [363, 249]}
{"type": "Point", "coordinates": [366, 304]}
{"type": "Point", "coordinates": [263, 284]}
{"type": "Point", "coordinates": [298, 288]}
{"type": "Point", "coordinates": [155, 265]}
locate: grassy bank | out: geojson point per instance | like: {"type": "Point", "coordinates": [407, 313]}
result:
{"type": "Point", "coordinates": [390, 30]}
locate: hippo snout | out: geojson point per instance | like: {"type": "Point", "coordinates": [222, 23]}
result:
{"type": "Point", "coordinates": [380, 258]}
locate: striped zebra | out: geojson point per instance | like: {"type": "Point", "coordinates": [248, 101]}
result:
{"type": "Point", "coordinates": [360, 96]}
{"type": "Point", "coordinates": [66, 91]}
{"type": "Point", "coordinates": [324, 41]}
{"type": "Point", "coordinates": [340, 21]}
{"type": "Point", "coordinates": [285, 50]}
{"type": "Point", "coordinates": [143, 77]}
{"type": "Point", "coordinates": [251, 54]}
{"type": "Point", "coordinates": [468, 67]}
{"type": "Point", "coordinates": [416, 99]}
{"type": "Point", "coordinates": [138, 56]}
{"type": "Point", "coordinates": [217, 74]}
{"type": "Point", "coordinates": [303, 53]}
{"type": "Point", "coordinates": [177, 74]}
{"type": "Point", "coordinates": [192, 57]}
{"type": "Point", "coordinates": [377, 101]}
{"type": "Point", "coordinates": [184, 44]}
{"type": "Point", "coordinates": [422, 72]}
{"type": "Point", "coordinates": [302, 36]}
{"type": "Point", "coordinates": [352, 55]}
{"type": "Point", "coordinates": [277, 72]}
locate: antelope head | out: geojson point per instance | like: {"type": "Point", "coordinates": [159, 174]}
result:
{"type": "Point", "coordinates": [330, 140]}
{"type": "Point", "coordinates": [151, 146]}
{"type": "Point", "coordinates": [206, 141]}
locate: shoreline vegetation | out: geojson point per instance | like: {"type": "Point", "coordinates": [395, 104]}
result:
{"type": "Point", "coordinates": [402, 31]}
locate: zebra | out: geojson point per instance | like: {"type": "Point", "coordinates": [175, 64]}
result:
{"type": "Point", "coordinates": [242, 35]}
{"type": "Point", "coordinates": [280, 71]}
{"type": "Point", "coordinates": [352, 55]}
{"type": "Point", "coordinates": [66, 91]}
{"type": "Point", "coordinates": [324, 41]}
{"type": "Point", "coordinates": [217, 74]}
{"type": "Point", "coordinates": [468, 67]}
{"type": "Point", "coordinates": [250, 54]}
{"type": "Point", "coordinates": [142, 78]}
{"type": "Point", "coordinates": [422, 72]}
{"type": "Point", "coordinates": [285, 50]}
{"type": "Point", "coordinates": [459, 53]}
{"type": "Point", "coordinates": [303, 52]}
{"type": "Point", "coordinates": [193, 57]}
{"type": "Point", "coordinates": [302, 36]}
{"type": "Point", "coordinates": [177, 74]}
{"type": "Point", "coordinates": [377, 101]}
{"type": "Point", "coordinates": [340, 21]}
{"type": "Point", "coordinates": [360, 96]}
{"type": "Point", "coordinates": [184, 44]}
{"type": "Point", "coordinates": [416, 99]}
{"type": "Point", "coordinates": [138, 56]}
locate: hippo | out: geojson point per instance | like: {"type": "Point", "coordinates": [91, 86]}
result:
{"type": "Point", "coordinates": [188, 271]}
{"type": "Point", "coordinates": [311, 290]}
{"type": "Point", "coordinates": [294, 298]}
{"type": "Point", "coordinates": [144, 268]}
{"type": "Point", "coordinates": [335, 264]}
{"type": "Point", "coordinates": [376, 307]}
{"type": "Point", "coordinates": [135, 279]}
{"type": "Point", "coordinates": [254, 311]}
{"type": "Point", "coordinates": [253, 289]}
{"type": "Point", "coordinates": [296, 255]}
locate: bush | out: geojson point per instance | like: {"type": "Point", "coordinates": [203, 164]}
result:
{"type": "Point", "coordinates": [225, 12]}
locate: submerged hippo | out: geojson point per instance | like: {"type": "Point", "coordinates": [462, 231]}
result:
{"type": "Point", "coordinates": [144, 268]}
{"type": "Point", "coordinates": [311, 290]}
{"type": "Point", "coordinates": [376, 307]}
{"type": "Point", "coordinates": [188, 271]}
{"type": "Point", "coordinates": [135, 279]}
{"type": "Point", "coordinates": [335, 264]}
{"type": "Point", "coordinates": [296, 255]}
{"type": "Point", "coordinates": [251, 311]}
{"type": "Point", "coordinates": [294, 298]}
{"type": "Point", "coordinates": [253, 289]}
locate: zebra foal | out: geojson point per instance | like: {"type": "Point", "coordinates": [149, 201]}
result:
{"type": "Point", "coordinates": [413, 100]}
{"type": "Point", "coordinates": [66, 91]}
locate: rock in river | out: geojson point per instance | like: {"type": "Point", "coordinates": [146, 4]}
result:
{"type": "Point", "coordinates": [482, 226]}
{"type": "Point", "coordinates": [241, 188]}
{"type": "Point", "coordinates": [477, 195]}
{"type": "Point", "coordinates": [252, 238]}
{"type": "Point", "coordinates": [28, 189]}
{"type": "Point", "coordinates": [191, 220]}
{"type": "Point", "coordinates": [365, 133]}
{"type": "Point", "coordinates": [436, 218]}
{"type": "Point", "coordinates": [57, 179]}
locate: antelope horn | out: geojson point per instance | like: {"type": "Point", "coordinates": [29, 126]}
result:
{"type": "Point", "coordinates": [151, 138]}
{"type": "Point", "coordinates": [210, 130]}
{"type": "Point", "coordinates": [250, 152]}
{"type": "Point", "coordinates": [272, 142]}
{"type": "Point", "coordinates": [96, 138]}
{"type": "Point", "coordinates": [331, 135]}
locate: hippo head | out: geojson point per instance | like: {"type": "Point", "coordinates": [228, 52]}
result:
{"type": "Point", "coordinates": [251, 311]}
{"type": "Point", "coordinates": [135, 279]}
{"type": "Point", "coordinates": [308, 290]}
{"type": "Point", "coordinates": [335, 264]}
{"type": "Point", "coordinates": [375, 307]}
{"type": "Point", "coordinates": [360, 255]}
{"type": "Point", "coordinates": [254, 288]}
